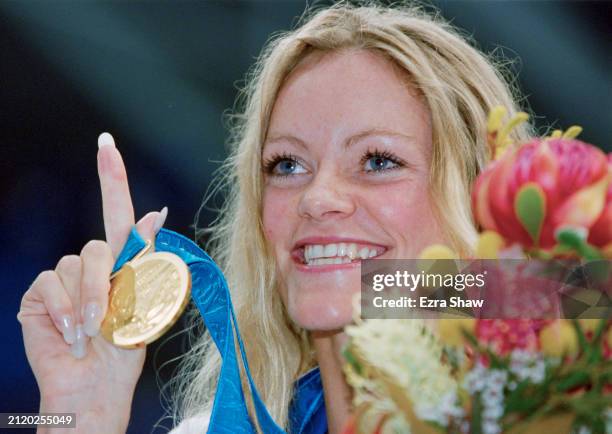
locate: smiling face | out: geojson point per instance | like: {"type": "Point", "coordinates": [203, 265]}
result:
{"type": "Point", "coordinates": [346, 162]}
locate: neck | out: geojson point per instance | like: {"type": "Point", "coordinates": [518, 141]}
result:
{"type": "Point", "coordinates": [328, 347]}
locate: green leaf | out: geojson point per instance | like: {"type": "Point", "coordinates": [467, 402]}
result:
{"type": "Point", "coordinates": [530, 209]}
{"type": "Point", "coordinates": [571, 239]}
{"type": "Point", "coordinates": [476, 425]}
{"type": "Point", "coordinates": [532, 397]}
{"type": "Point", "coordinates": [599, 331]}
{"type": "Point", "coordinates": [582, 340]}
{"type": "Point", "coordinates": [470, 338]}
{"type": "Point", "coordinates": [514, 399]}
{"type": "Point", "coordinates": [575, 379]}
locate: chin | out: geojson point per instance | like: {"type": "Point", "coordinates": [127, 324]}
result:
{"type": "Point", "coordinates": [318, 310]}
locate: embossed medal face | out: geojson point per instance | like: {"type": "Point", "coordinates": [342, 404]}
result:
{"type": "Point", "coordinates": [147, 296]}
{"type": "Point", "coordinates": [121, 302]}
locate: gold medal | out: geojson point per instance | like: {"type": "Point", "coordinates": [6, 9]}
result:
{"type": "Point", "coordinates": [147, 296]}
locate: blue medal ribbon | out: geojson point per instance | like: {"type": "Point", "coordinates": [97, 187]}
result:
{"type": "Point", "coordinates": [210, 293]}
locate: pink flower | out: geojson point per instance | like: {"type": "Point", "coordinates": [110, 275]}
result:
{"type": "Point", "coordinates": [544, 185]}
{"type": "Point", "coordinates": [601, 232]}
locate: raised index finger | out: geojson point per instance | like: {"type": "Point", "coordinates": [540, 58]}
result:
{"type": "Point", "coordinates": [117, 205]}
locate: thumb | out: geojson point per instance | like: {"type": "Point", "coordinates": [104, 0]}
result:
{"type": "Point", "coordinates": [151, 223]}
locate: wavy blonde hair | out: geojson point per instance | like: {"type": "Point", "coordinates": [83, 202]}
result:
{"type": "Point", "coordinates": [458, 83]}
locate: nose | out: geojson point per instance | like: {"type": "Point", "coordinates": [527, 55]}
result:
{"type": "Point", "coordinates": [326, 196]}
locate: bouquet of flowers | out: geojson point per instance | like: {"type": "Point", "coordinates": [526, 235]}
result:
{"type": "Point", "coordinates": [549, 198]}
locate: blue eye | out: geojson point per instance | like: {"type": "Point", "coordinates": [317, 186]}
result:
{"type": "Point", "coordinates": [378, 162]}
{"type": "Point", "coordinates": [287, 167]}
{"type": "Point", "coordinates": [283, 165]}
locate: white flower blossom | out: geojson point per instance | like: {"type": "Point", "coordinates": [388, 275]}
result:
{"type": "Point", "coordinates": [527, 366]}
{"type": "Point", "coordinates": [409, 356]}
{"type": "Point", "coordinates": [493, 412]}
{"type": "Point", "coordinates": [446, 408]}
{"type": "Point", "coordinates": [490, 384]}
{"type": "Point", "coordinates": [491, 395]}
{"type": "Point", "coordinates": [475, 379]}
{"type": "Point", "coordinates": [490, 426]}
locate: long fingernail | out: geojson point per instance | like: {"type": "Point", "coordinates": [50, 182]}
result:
{"type": "Point", "coordinates": [106, 139]}
{"type": "Point", "coordinates": [68, 329]}
{"type": "Point", "coordinates": [160, 220]}
{"type": "Point", "coordinates": [92, 315]}
{"type": "Point", "coordinates": [80, 345]}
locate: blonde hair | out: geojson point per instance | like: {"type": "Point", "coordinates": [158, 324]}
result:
{"type": "Point", "coordinates": [457, 82]}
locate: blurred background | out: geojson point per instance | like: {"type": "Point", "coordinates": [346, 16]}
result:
{"type": "Point", "coordinates": [159, 76]}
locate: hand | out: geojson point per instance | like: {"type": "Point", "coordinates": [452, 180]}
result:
{"type": "Point", "coordinates": [77, 370]}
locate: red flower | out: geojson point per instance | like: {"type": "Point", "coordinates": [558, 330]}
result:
{"type": "Point", "coordinates": [601, 232]}
{"type": "Point", "coordinates": [504, 335]}
{"type": "Point", "coordinates": [566, 178]}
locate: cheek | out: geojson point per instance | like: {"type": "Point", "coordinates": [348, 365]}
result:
{"type": "Point", "coordinates": [278, 210]}
{"type": "Point", "coordinates": [280, 220]}
{"type": "Point", "coordinates": [407, 215]}
{"type": "Point", "coordinates": [404, 211]}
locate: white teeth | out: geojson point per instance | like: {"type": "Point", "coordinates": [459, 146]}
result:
{"type": "Point", "coordinates": [326, 261]}
{"type": "Point", "coordinates": [330, 250]}
{"type": "Point", "coordinates": [336, 253]}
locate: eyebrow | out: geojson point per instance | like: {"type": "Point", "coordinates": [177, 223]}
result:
{"type": "Point", "coordinates": [347, 143]}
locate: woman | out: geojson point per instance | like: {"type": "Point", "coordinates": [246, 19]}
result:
{"type": "Point", "coordinates": [360, 135]}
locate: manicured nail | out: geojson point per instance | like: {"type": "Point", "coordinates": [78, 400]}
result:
{"type": "Point", "coordinates": [92, 316]}
{"type": "Point", "coordinates": [106, 139]}
{"type": "Point", "coordinates": [68, 329]}
{"type": "Point", "coordinates": [160, 220]}
{"type": "Point", "coordinates": [80, 345]}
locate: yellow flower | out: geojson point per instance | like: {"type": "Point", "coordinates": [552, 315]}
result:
{"type": "Point", "coordinates": [489, 244]}
{"type": "Point", "coordinates": [558, 339]}
{"type": "Point", "coordinates": [450, 330]}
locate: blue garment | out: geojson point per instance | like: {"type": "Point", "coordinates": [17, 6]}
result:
{"type": "Point", "coordinates": [307, 412]}
{"type": "Point", "coordinates": [210, 293]}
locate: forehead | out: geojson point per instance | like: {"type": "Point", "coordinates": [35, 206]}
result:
{"type": "Point", "coordinates": [330, 95]}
